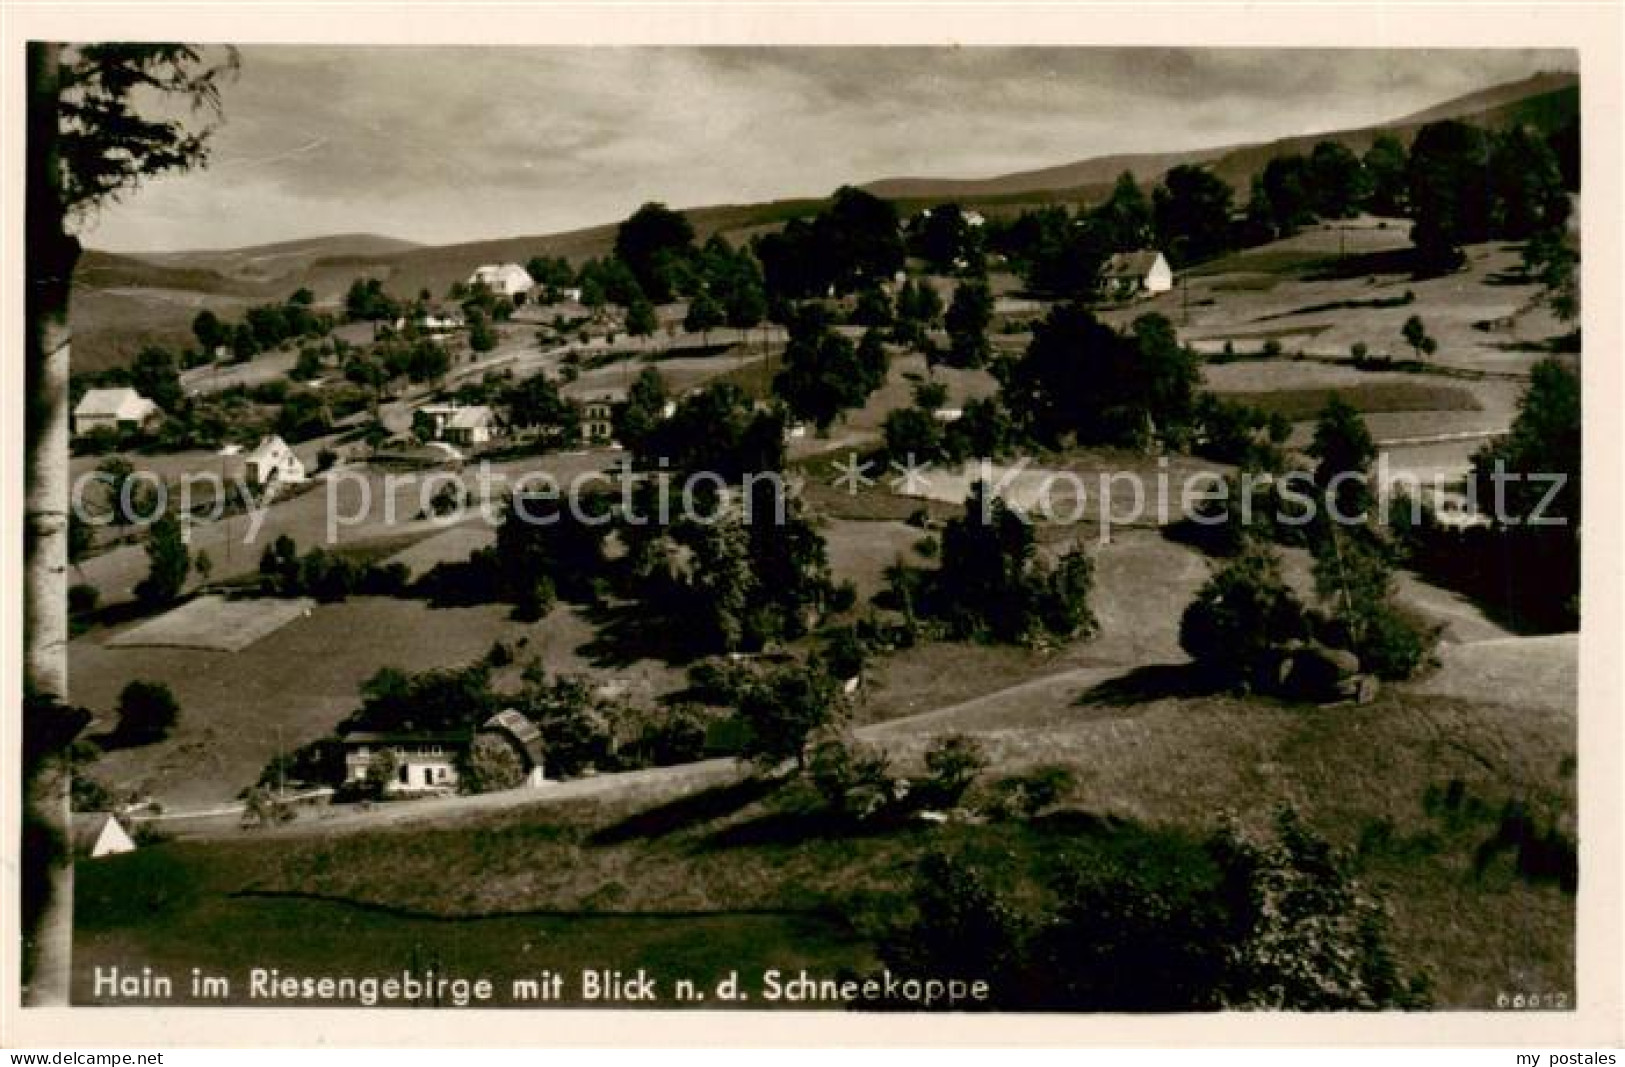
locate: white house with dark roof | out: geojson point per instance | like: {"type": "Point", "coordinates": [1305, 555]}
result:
{"type": "Point", "coordinates": [112, 409]}
{"type": "Point", "coordinates": [1128, 274]}
{"type": "Point", "coordinates": [430, 761]}
{"type": "Point", "coordinates": [508, 279]}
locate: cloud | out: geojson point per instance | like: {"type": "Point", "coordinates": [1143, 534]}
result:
{"type": "Point", "coordinates": [453, 143]}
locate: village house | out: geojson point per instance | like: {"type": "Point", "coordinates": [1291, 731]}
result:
{"type": "Point", "coordinates": [119, 409]}
{"type": "Point", "coordinates": [473, 425]}
{"type": "Point", "coordinates": [97, 834]}
{"type": "Point", "coordinates": [598, 417]}
{"type": "Point", "coordinates": [506, 279]}
{"type": "Point", "coordinates": [1131, 274]}
{"type": "Point", "coordinates": [430, 761]}
{"type": "Point", "coordinates": [273, 463]}
{"type": "Point", "coordinates": [435, 322]}
{"type": "Point", "coordinates": [456, 424]}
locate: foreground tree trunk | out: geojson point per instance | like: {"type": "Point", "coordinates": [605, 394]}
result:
{"type": "Point", "coordinates": [48, 724]}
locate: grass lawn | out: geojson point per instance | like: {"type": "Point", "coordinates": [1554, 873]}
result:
{"type": "Point", "coordinates": [214, 624]}
{"type": "Point", "coordinates": [296, 684]}
{"type": "Point", "coordinates": [1299, 405]}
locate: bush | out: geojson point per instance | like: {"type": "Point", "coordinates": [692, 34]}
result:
{"type": "Point", "coordinates": [490, 765]}
{"type": "Point", "coordinates": [954, 763]}
{"type": "Point", "coordinates": [1240, 619]}
{"type": "Point", "coordinates": [82, 598]}
{"type": "Point", "coordinates": [1029, 795]}
{"type": "Point", "coordinates": [147, 711]}
{"type": "Point", "coordinates": [854, 778]}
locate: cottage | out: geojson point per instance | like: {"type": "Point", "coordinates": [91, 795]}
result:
{"type": "Point", "coordinates": [1129, 274]}
{"type": "Point", "coordinates": [97, 834]}
{"type": "Point", "coordinates": [273, 463]}
{"type": "Point", "coordinates": [473, 425]}
{"type": "Point", "coordinates": [112, 409]}
{"type": "Point", "coordinates": [430, 761]}
{"type": "Point", "coordinates": [455, 424]}
{"type": "Point", "coordinates": [507, 279]}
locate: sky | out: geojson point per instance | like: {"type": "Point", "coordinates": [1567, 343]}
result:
{"type": "Point", "coordinates": [440, 145]}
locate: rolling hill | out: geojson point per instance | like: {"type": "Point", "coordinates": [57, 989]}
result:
{"type": "Point", "coordinates": [126, 301]}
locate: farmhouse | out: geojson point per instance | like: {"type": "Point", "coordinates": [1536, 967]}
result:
{"type": "Point", "coordinates": [429, 761]}
{"type": "Point", "coordinates": [97, 834]}
{"type": "Point", "coordinates": [1128, 274]}
{"type": "Point", "coordinates": [474, 425]}
{"type": "Point", "coordinates": [273, 463]}
{"type": "Point", "coordinates": [112, 409]}
{"type": "Point", "coordinates": [455, 424]}
{"type": "Point", "coordinates": [508, 279]}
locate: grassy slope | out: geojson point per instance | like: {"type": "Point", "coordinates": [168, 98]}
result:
{"type": "Point", "coordinates": [1171, 762]}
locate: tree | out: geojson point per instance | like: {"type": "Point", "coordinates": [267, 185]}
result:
{"type": "Point", "coordinates": [1548, 259]}
{"type": "Point", "coordinates": [1416, 335]}
{"type": "Point", "coordinates": [535, 402]}
{"type": "Point", "coordinates": [704, 315]}
{"type": "Point", "coordinates": [1240, 619]}
{"type": "Point", "coordinates": [1448, 185]}
{"type": "Point", "coordinates": [491, 765]}
{"type": "Point", "coordinates": [1191, 209]}
{"type": "Point", "coordinates": [954, 762]}
{"type": "Point", "coordinates": [1385, 166]}
{"type": "Point", "coordinates": [1286, 187]}
{"type": "Point", "coordinates": [1338, 182]}
{"type": "Point", "coordinates": [968, 319]}
{"type": "Point", "coordinates": [1355, 578]}
{"type": "Point", "coordinates": [1123, 220]}
{"type": "Point", "coordinates": [644, 409]}
{"type": "Point", "coordinates": [210, 332]}
{"type": "Point", "coordinates": [429, 361]}
{"type": "Point", "coordinates": [822, 375]}
{"type": "Point", "coordinates": [168, 563]}
{"type": "Point", "coordinates": [782, 710]}
{"type": "Point", "coordinates": [155, 376]}
{"type": "Point", "coordinates": [652, 242]}
{"type": "Point", "coordinates": [1542, 451]}
{"type": "Point", "coordinates": [128, 497]}
{"type": "Point", "coordinates": [481, 336]}
{"type": "Point", "coordinates": [203, 565]}
{"type": "Point", "coordinates": [147, 711]}
{"type": "Point", "coordinates": [1527, 184]}
{"type": "Point", "coordinates": [640, 318]}
{"type": "Point", "coordinates": [1345, 451]}
{"type": "Point", "coordinates": [860, 232]}
{"type": "Point", "coordinates": [912, 434]}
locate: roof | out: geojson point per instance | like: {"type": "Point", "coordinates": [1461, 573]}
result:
{"type": "Point", "coordinates": [522, 730]}
{"type": "Point", "coordinates": [405, 737]}
{"type": "Point", "coordinates": [1131, 264]}
{"type": "Point", "coordinates": [109, 401]}
{"type": "Point", "coordinates": [470, 417]}
{"type": "Point", "coordinates": [267, 448]}
{"type": "Point", "coordinates": [501, 270]}
{"type": "Point", "coordinates": [88, 827]}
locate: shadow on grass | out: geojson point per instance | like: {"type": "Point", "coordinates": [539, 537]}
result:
{"type": "Point", "coordinates": [632, 631]}
{"type": "Point", "coordinates": [1143, 685]}
{"type": "Point", "coordinates": [694, 809]}
{"type": "Point", "coordinates": [1362, 264]}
